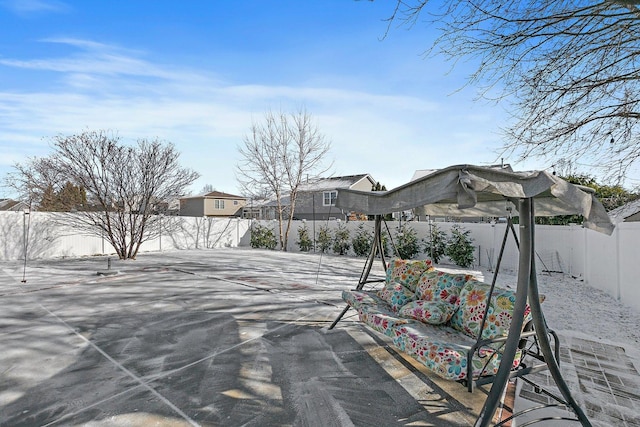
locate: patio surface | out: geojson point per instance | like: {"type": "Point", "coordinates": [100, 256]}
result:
{"type": "Point", "coordinates": [224, 337]}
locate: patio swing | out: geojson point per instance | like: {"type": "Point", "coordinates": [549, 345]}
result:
{"type": "Point", "coordinates": [466, 190]}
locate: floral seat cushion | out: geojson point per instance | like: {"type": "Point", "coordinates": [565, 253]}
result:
{"type": "Point", "coordinates": [358, 298]}
{"type": "Point", "coordinates": [422, 328]}
{"type": "Point", "coordinates": [444, 350]}
{"type": "Point", "coordinates": [380, 318]}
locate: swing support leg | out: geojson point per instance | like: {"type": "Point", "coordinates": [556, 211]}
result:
{"type": "Point", "coordinates": [376, 248]}
{"type": "Point", "coordinates": [527, 287]}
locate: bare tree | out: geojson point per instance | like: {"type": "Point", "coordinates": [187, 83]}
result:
{"type": "Point", "coordinates": [277, 156]}
{"type": "Point", "coordinates": [123, 184]}
{"type": "Point", "coordinates": [570, 68]}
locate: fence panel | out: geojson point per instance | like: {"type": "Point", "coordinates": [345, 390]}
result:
{"type": "Point", "coordinates": [609, 263]}
{"type": "Point", "coordinates": [46, 238]}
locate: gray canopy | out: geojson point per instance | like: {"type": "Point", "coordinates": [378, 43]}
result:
{"type": "Point", "coordinates": [473, 191]}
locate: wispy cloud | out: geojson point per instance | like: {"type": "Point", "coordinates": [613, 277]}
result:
{"type": "Point", "coordinates": [96, 58]}
{"type": "Point", "coordinates": [31, 7]}
{"type": "Point", "coordinates": [108, 87]}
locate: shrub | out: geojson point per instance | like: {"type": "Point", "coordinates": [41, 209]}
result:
{"type": "Point", "coordinates": [460, 248]}
{"type": "Point", "coordinates": [436, 244]}
{"type": "Point", "coordinates": [361, 242]}
{"type": "Point", "coordinates": [385, 242]}
{"type": "Point", "coordinates": [341, 240]}
{"type": "Point", "coordinates": [304, 239]}
{"type": "Point", "coordinates": [263, 237]}
{"type": "Point", "coordinates": [407, 243]}
{"type": "Point", "coordinates": [323, 241]}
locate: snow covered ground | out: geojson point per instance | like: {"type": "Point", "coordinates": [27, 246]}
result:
{"type": "Point", "coordinates": [574, 309]}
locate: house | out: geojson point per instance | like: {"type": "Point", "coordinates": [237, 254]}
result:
{"type": "Point", "coordinates": [266, 209]}
{"type": "Point", "coordinates": [12, 205]}
{"type": "Point", "coordinates": [629, 212]}
{"type": "Point", "coordinates": [317, 200]}
{"type": "Point", "coordinates": [215, 203]}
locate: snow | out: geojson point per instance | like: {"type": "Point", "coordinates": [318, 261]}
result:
{"type": "Point", "coordinates": [575, 309]}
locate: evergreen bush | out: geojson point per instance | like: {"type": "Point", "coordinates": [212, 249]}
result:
{"type": "Point", "coordinates": [362, 241]}
{"type": "Point", "coordinates": [263, 237]}
{"type": "Point", "coordinates": [323, 240]}
{"type": "Point", "coordinates": [460, 247]}
{"type": "Point", "coordinates": [436, 244]}
{"type": "Point", "coordinates": [385, 242]}
{"type": "Point", "coordinates": [341, 239]}
{"type": "Point", "coordinates": [304, 239]}
{"type": "Point", "coordinates": [407, 242]}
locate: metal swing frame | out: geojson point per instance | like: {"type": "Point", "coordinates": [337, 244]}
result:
{"type": "Point", "coordinates": [527, 290]}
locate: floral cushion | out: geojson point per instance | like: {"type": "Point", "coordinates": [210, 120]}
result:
{"type": "Point", "coordinates": [407, 272]}
{"type": "Point", "coordinates": [380, 318]}
{"type": "Point", "coordinates": [473, 302]}
{"type": "Point", "coordinates": [431, 312]}
{"type": "Point", "coordinates": [441, 348]}
{"type": "Point", "coordinates": [358, 298]}
{"type": "Point", "coordinates": [440, 286]}
{"type": "Point", "coordinates": [444, 350]}
{"type": "Point", "coordinates": [396, 295]}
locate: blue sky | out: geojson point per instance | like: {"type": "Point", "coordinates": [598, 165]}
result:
{"type": "Point", "coordinates": [197, 73]}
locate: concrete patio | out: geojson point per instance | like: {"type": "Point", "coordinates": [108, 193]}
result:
{"type": "Point", "coordinates": [224, 337]}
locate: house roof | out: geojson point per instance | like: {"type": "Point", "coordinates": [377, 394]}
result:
{"type": "Point", "coordinates": [215, 195]}
{"type": "Point", "coordinates": [12, 205]}
{"type": "Point", "coordinates": [284, 201]}
{"type": "Point", "coordinates": [336, 182]}
{"type": "Point", "coordinates": [621, 213]}
{"type": "Point", "coordinates": [422, 172]}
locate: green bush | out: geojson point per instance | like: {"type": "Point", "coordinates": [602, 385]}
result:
{"type": "Point", "coordinates": [341, 239]}
{"type": "Point", "coordinates": [361, 242]}
{"type": "Point", "coordinates": [263, 237]}
{"type": "Point", "coordinates": [385, 242]}
{"type": "Point", "coordinates": [460, 248]}
{"type": "Point", "coordinates": [323, 241]}
{"type": "Point", "coordinates": [436, 244]}
{"type": "Point", "coordinates": [407, 242]}
{"type": "Point", "coordinates": [304, 239]}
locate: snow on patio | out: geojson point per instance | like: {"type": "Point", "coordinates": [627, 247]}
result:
{"type": "Point", "coordinates": [238, 336]}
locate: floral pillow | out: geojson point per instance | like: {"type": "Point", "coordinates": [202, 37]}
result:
{"type": "Point", "coordinates": [431, 312]}
{"type": "Point", "coordinates": [407, 272]}
{"type": "Point", "coordinates": [396, 295]}
{"type": "Point", "coordinates": [473, 303]}
{"type": "Point", "coordinates": [440, 286]}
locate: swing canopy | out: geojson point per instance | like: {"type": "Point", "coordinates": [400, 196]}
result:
{"type": "Point", "coordinates": [475, 191]}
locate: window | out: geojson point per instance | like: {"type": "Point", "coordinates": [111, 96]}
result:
{"type": "Point", "coordinates": [218, 204]}
{"type": "Point", "coordinates": [329, 198]}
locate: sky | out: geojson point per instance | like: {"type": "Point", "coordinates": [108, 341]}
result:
{"type": "Point", "coordinates": [198, 73]}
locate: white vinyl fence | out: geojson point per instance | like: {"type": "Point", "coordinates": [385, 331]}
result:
{"type": "Point", "coordinates": [39, 236]}
{"type": "Point", "coordinates": [610, 263]}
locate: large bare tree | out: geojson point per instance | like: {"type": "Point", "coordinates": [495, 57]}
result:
{"type": "Point", "coordinates": [571, 69]}
{"type": "Point", "coordinates": [277, 156]}
{"type": "Point", "coordinates": [123, 184]}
